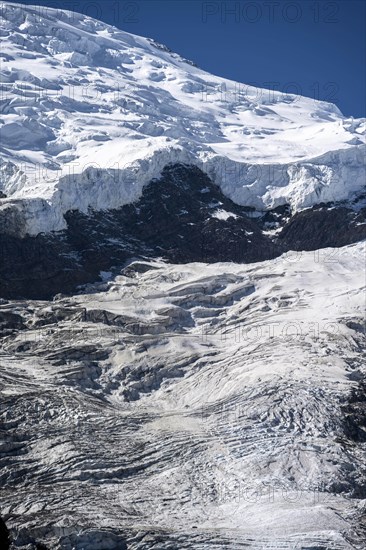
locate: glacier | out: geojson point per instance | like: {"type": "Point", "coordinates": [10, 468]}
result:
{"type": "Point", "coordinates": [91, 114]}
{"type": "Point", "coordinates": [189, 406]}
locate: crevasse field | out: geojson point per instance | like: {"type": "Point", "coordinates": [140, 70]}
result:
{"type": "Point", "coordinates": [165, 405]}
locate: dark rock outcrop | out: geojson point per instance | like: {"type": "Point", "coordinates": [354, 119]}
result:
{"type": "Point", "coordinates": [324, 226]}
{"type": "Point", "coordinates": [182, 217]}
{"type": "Point", "coordinates": [4, 536]}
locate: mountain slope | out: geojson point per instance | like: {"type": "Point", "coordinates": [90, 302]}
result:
{"type": "Point", "coordinates": [91, 114]}
{"type": "Point", "coordinates": [209, 391]}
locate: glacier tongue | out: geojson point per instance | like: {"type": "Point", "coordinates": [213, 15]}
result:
{"type": "Point", "coordinates": [197, 406]}
{"type": "Point", "coordinates": [91, 114]}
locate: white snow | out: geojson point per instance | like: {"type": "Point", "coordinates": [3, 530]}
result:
{"type": "Point", "coordinates": [221, 214]}
{"type": "Point", "coordinates": [90, 114]}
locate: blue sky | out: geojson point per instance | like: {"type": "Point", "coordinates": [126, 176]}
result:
{"type": "Point", "coordinates": [315, 48]}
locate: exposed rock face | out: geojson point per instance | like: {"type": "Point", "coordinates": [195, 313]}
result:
{"type": "Point", "coordinates": [324, 226]}
{"type": "Point", "coordinates": [182, 217]}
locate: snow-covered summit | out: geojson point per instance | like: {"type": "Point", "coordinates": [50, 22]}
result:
{"type": "Point", "coordinates": [90, 114]}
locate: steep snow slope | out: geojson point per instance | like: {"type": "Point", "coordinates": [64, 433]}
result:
{"type": "Point", "coordinates": [90, 114]}
{"type": "Point", "coordinates": [192, 407]}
